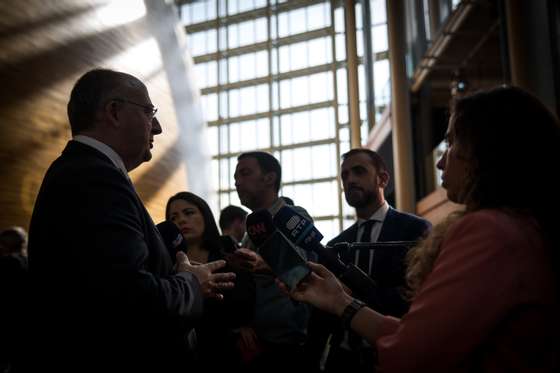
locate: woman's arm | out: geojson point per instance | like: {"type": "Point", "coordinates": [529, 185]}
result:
{"type": "Point", "coordinates": [323, 290]}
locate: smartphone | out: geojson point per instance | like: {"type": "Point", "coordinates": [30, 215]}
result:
{"type": "Point", "coordinates": [285, 260]}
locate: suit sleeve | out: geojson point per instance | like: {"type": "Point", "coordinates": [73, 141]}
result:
{"type": "Point", "coordinates": [118, 259]}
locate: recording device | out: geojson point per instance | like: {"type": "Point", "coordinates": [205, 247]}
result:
{"type": "Point", "coordinates": [277, 251]}
{"type": "Point", "coordinates": [172, 238]}
{"type": "Point", "coordinates": [388, 268]}
{"type": "Point", "coordinates": [303, 233]}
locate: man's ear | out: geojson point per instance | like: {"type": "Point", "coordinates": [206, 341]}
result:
{"type": "Point", "coordinates": [270, 178]}
{"type": "Point", "coordinates": [111, 112]}
{"type": "Point", "coordinates": [383, 179]}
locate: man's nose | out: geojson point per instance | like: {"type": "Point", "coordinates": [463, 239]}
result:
{"type": "Point", "coordinates": [441, 162]}
{"type": "Point", "coordinates": [156, 127]}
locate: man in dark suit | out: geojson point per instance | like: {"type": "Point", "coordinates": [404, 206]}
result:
{"type": "Point", "coordinates": [364, 177]}
{"type": "Point", "coordinates": [106, 297]}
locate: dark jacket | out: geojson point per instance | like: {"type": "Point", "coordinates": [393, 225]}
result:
{"type": "Point", "coordinates": [105, 296]}
{"type": "Point", "coordinates": [397, 226]}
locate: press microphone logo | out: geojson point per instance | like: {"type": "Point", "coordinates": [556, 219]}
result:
{"type": "Point", "coordinates": [293, 222]}
{"type": "Point", "coordinates": [177, 241]}
{"type": "Point", "coordinates": [296, 225]}
{"type": "Point", "coordinates": [256, 229]}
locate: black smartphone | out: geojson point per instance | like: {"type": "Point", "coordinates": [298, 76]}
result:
{"type": "Point", "coordinates": [285, 260]}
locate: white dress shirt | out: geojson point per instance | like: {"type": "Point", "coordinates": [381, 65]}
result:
{"type": "Point", "coordinates": [105, 149]}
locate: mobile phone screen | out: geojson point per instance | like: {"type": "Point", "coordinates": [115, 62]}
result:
{"type": "Point", "coordinates": [284, 259]}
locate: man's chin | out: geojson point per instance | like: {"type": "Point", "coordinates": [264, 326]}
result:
{"type": "Point", "coordinates": [355, 200]}
{"type": "Point", "coordinates": [242, 199]}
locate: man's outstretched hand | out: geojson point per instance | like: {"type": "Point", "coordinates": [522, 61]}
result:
{"type": "Point", "coordinates": [211, 283]}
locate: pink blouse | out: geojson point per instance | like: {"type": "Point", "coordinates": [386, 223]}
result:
{"type": "Point", "coordinates": [489, 305]}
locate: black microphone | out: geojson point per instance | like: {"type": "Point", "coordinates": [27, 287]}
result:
{"type": "Point", "coordinates": [259, 226]}
{"type": "Point", "coordinates": [228, 244]}
{"type": "Point", "coordinates": [303, 233]}
{"type": "Point", "coordinates": [287, 263]}
{"type": "Point", "coordinates": [172, 238]}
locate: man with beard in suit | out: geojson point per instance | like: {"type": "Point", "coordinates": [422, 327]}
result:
{"type": "Point", "coordinates": [364, 177]}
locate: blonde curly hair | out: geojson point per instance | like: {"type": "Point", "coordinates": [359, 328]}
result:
{"type": "Point", "coordinates": [421, 258]}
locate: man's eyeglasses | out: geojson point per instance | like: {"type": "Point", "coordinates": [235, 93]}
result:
{"type": "Point", "coordinates": [148, 109]}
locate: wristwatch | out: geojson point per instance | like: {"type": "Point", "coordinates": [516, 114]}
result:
{"type": "Point", "coordinates": [350, 311]}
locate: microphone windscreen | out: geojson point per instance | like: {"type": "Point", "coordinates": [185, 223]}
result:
{"type": "Point", "coordinates": [228, 244]}
{"type": "Point", "coordinates": [297, 228]}
{"type": "Point", "coordinates": [304, 234]}
{"type": "Point", "coordinates": [172, 238]}
{"type": "Point", "coordinates": [259, 226]}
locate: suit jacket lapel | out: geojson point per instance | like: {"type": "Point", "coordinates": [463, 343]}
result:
{"type": "Point", "coordinates": [388, 228]}
{"type": "Point", "coordinates": [351, 234]}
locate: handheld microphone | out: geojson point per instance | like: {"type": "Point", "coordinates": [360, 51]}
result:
{"type": "Point", "coordinates": [172, 238]}
{"type": "Point", "coordinates": [303, 233]}
{"type": "Point", "coordinates": [277, 251]}
{"type": "Point", "coordinates": [259, 226]}
{"type": "Point", "coordinates": [228, 244]}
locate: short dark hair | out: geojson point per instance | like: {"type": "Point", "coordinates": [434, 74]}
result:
{"type": "Point", "coordinates": [88, 95]}
{"type": "Point", "coordinates": [13, 240]}
{"type": "Point", "coordinates": [376, 159]}
{"type": "Point", "coordinates": [230, 214]}
{"type": "Point", "coordinates": [267, 163]}
{"type": "Point", "coordinates": [211, 235]}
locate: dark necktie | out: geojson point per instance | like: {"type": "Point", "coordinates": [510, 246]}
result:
{"type": "Point", "coordinates": [354, 340]}
{"type": "Point", "coordinates": [363, 257]}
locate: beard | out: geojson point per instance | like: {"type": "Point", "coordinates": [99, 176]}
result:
{"type": "Point", "coordinates": [358, 197]}
{"type": "Point", "coordinates": [247, 199]}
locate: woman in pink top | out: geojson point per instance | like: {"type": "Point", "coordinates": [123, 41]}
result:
{"type": "Point", "coordinates": [485, 289]}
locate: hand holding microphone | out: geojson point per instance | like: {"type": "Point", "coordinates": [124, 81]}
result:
{"type": "Point", "coordinates": [303, 233]}
{"type": "Point", "coordinates": [275, 251]}
{"type": "Point", "coordinates": [248, 260]}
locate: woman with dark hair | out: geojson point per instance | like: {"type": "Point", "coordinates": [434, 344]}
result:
{"type": "Point", "coordinates": [192, 215]}
{"type": "Point", "coordinates": [485, 283]}
{"type": "Point", "coordinates": [217, 341]}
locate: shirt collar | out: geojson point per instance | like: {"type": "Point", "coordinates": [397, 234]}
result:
{"type": "Point", "coordinates": [276, 206]}
{"type": "Point", "coordinates": [379, 214]}
{"type": "Point", "coordinates": [103, 148]}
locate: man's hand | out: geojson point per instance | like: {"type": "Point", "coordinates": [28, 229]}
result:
{"type": "Point", "coordinates": [211, 283]}
{"type": "Point", "coordinates": [248, 260]}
